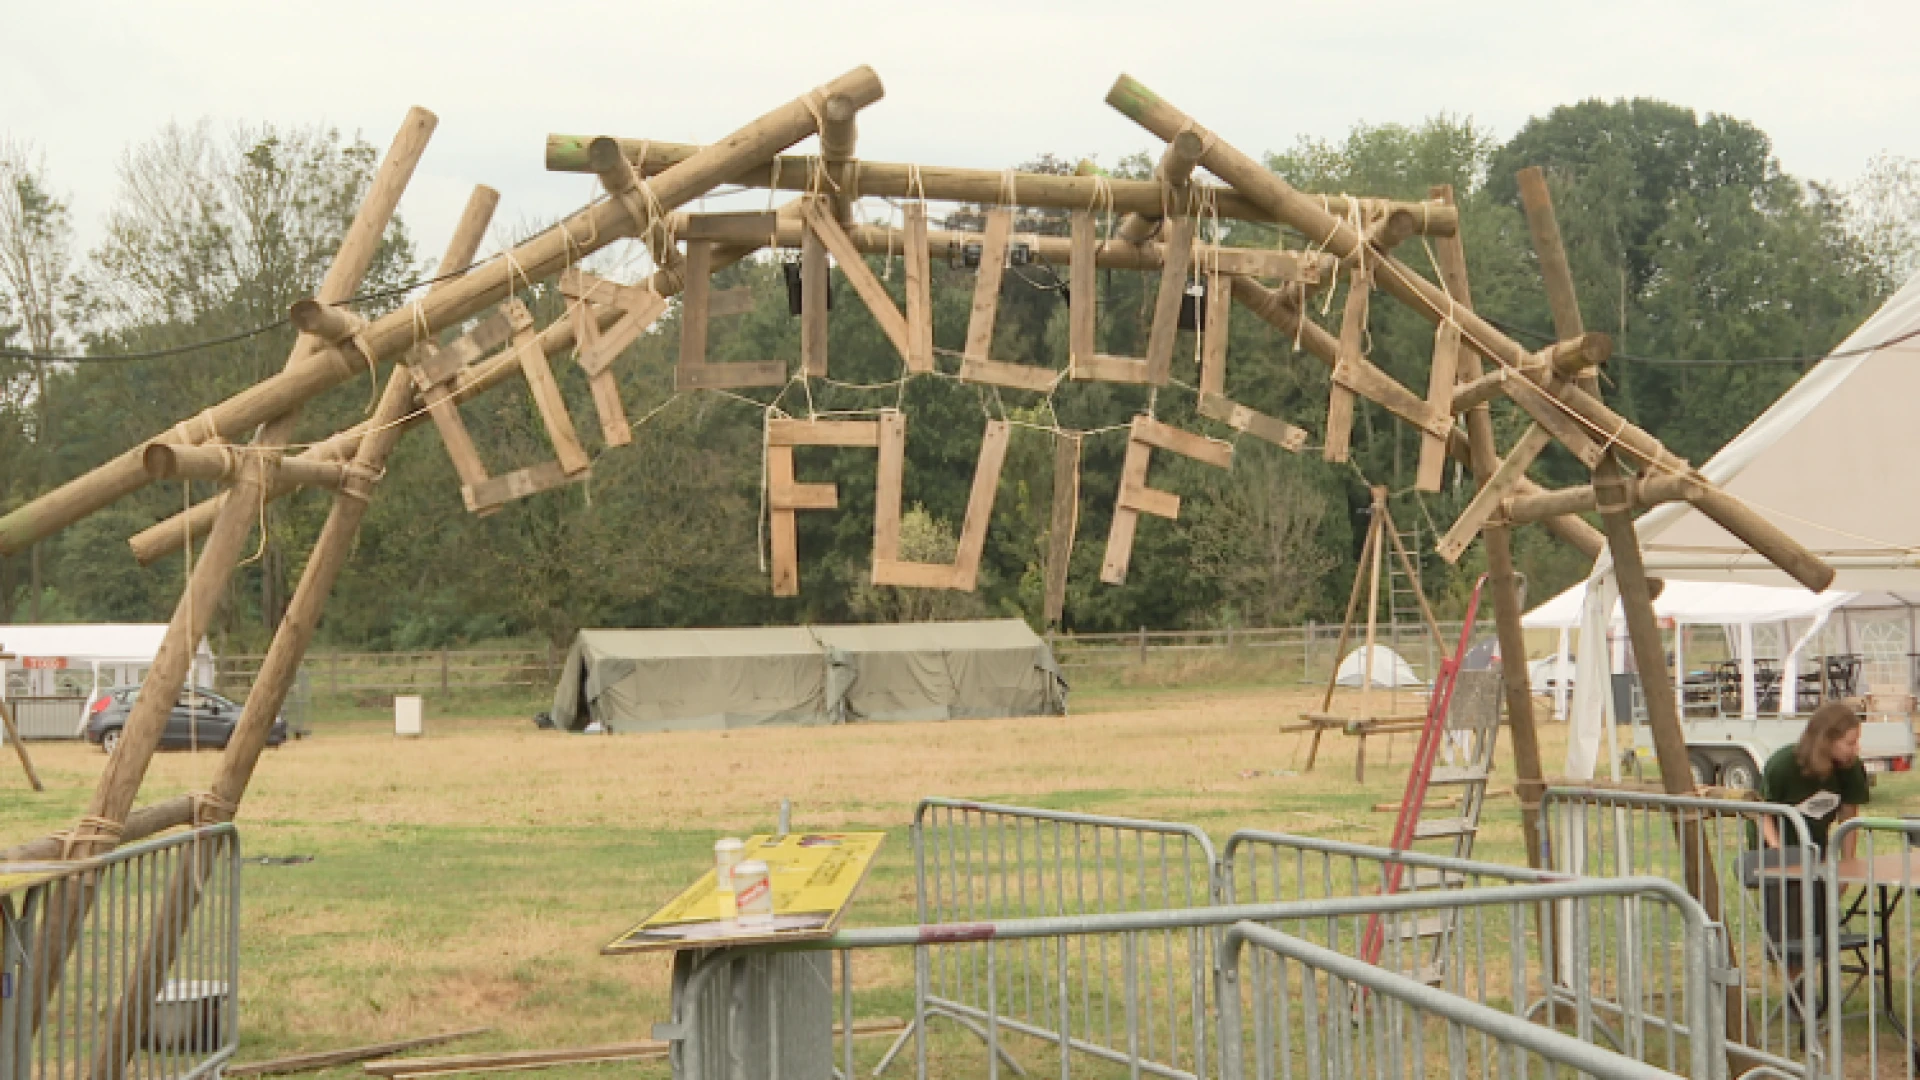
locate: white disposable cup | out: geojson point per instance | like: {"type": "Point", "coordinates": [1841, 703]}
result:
{"type": "Point", "coordinates": [727, 853]}
{"type": "Point", "coordinates": [753, 893]}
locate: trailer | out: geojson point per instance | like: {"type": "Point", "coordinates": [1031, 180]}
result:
{"type": "Point", "coordinates": [1730, 751]}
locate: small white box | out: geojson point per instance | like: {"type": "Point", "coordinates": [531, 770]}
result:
{"type": "Point", "coordinates": [407, 716]}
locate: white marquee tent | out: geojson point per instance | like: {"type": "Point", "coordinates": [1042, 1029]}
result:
{"type": "Point", "coordinates": [1830, 464]}
{"type": "Point", "coordinates": [63, 665]}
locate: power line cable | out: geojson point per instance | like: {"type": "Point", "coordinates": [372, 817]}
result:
{"type": "Point", "coordinates": [229, 339]}
{"type": "Point", "coordinates": [1545, 338]}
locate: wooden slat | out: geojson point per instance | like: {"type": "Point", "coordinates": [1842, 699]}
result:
{"type": "Point", "coordinates": [498, 490]}
{"type": "Point", "coordinates": [567, 451]}
{"type": "Point", "coordinates": [752, 227]}
{"type": "Point", "coordinates": [1030, 377]}
{"type": "Point", "coordinates": [1065, 522]}
{"type": "Point", "coordinates": [1186, 443]}
{"type": "Point", "coordinates": [1441, 378]}
{"type": "Point", "coordinates": [328, 1059]}
{"type": "Point", "coordinates": [1340, 400]}
{"type": "Point", "coordinates": [614, 430]}
{"type": "Point", "coordinates": [733, 375]}
{"type": "Point", "coordinates": [1146, 500]}
{"type": "Point", "coordinates": [616, 338]}
{"type": "Point", "coordinates": [853, 266]}
{"type": "Point", "coordinates": [1133, 475]}
{"type": "Point", "coordinates": [1166, 304]}
{"type": "Point", "coordinates": [445, 414]}
{"type": "Point", "coordinates": [824, 432]}
{"type": "Point", "coordinates": [913, 575]}
{"type": "Point", "coordinates": [724, 302]}
{"type": "Point", "coordinates": [519, 1060]}
{"type": "Point", "coordinates": [1359, 375]}
{"type": "Point", "coordinates": [1082, 297]}
{"type": "Point", "coordinates": [814, 284]}
{"type": "Point", "coordinates": [986, 287]}
{"type": "Point", "coordinates": [696, 286]}
{"type": "Point", "coordinates": [781, 535]}
{"type": "Point", "coordinates": [986, 484]}
{"type": "Point", "coordinates": [1213, 342]}
{"type": "Point", "coordinates": [440, 365]}
{"type": "Point", "coordinates": [1252, 422]}
{"type": "Point", "coordinates": [1101, 367]}
{"type": "Point", "coordinates": [888, 481]}
{"type": "Point", "coordinates": [1493, 493]}
{"type": "Point", "coordinates": [918, 258]}
{"type": "Point", "coordinates": [577, 284]}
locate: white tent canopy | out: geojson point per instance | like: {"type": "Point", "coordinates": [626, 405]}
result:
{"type": "Point", "coordinates": [1698, 603]}
{"type": "Point", "coordinates": [1828, 463]}
{"type": "Point", "coordinates": [1824, 463]}
{"type": "Point", "coordinates": [1390, 670]}
{"type": "Point", "coordinates": [73, 659]}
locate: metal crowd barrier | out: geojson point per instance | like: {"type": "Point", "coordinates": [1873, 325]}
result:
{"type": "Point", "coordinates": [1683, 1017]}
{"type": "Point", "coordinates": [977, 861]}
{"type": "Point", "coordinates": [1769, 902]}
{"type": "Point", "coordinates": [1321, 1015]}
{"type": "Point", "coordinates": [123, 966]}
{"type": "Point", "coordinates": [1872, 958]}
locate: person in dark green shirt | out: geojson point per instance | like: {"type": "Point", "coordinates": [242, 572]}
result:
{"type": "Point", "coordinates": [1821, 775]}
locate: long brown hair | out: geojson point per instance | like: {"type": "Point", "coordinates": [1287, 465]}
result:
{"type": "Point", "coordinates": [1828, 724]}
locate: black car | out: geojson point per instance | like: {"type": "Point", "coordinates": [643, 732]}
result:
{"type": "Point", "coordinates": [201, 719]}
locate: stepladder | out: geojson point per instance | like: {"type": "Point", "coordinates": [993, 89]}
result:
{"type": "Point", "coordinates": [1456, 756]}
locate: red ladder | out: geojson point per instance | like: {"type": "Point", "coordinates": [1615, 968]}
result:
{"type": "Point", "coordinates": [1406, 827]}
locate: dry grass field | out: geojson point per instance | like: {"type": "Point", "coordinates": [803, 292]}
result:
{"type": "Point", "coordinates": [469, 878]}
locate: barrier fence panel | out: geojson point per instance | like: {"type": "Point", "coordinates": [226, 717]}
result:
{"type": "Point", "coordinates": [1321, 1015]}
{"type": "Point", "coordinates": [976, 862]}
{"type": "Point", "coordinates": [1679, 1022]}
{"type": "Point", "coordinates": [1871, 958]}
{"type": "Point", "coordinates": [1754, 866]}
{"type": "Point", "coordinates": [126, 965]}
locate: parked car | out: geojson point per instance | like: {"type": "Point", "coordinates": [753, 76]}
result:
{"type": "Point", "coordinates": [200, 719]}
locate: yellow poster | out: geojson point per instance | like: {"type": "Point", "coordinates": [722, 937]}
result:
{"type": "Point", "coordinates": [814, 875]}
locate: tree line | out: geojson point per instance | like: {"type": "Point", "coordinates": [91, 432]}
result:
{"type": "Point", "coordinates": [1689, 245]}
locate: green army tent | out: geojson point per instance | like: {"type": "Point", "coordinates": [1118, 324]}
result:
{"type": "Point", "coordinates": [681, 680]}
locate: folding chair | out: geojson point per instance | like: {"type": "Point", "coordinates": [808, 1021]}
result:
{"type": "Point", "coordinates": [1782, 905]}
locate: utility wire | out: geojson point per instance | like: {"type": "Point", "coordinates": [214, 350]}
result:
{"type": "Point", "coordinates": [210, 343]}
{"type": "Point", "coordinates": [1545, 338]}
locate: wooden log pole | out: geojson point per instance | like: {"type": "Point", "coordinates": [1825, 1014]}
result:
{"type": "Point", "coordinates": [839, 133]}
{"type": "Point", "coordinates": [1172, 173]}
{"type": "Point", "coordinates": [1508, 607]}
{"type": "Point", "coordinates": [585, 232]}
{"type": "Point", "coordinates": [1294, 267]}
{"type": "Point", "coordinates": [1537, 203]}
{"type": "Point", "coordinates": [169, 461]}
{"type": "Point", "coordinates": [985, 187]}
{"type": "Point", "coordinates": [20, 746]}
{"type": "Point", "coordinates": [120, 781]}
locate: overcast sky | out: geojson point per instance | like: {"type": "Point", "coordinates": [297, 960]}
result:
{"type": "Point", "coordinates": [985, 83]}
